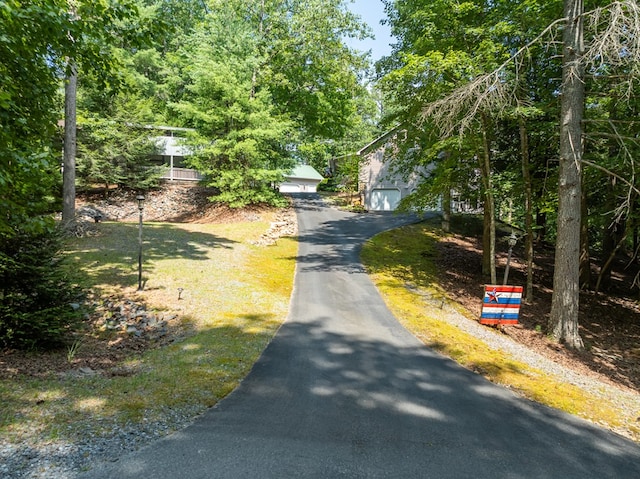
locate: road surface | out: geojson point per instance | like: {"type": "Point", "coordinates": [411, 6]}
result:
{"type": "Point", "coordinates": [343, 391]}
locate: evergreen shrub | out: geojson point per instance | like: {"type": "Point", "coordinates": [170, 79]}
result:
{"type": "Point", "coordinates": [38, 299]}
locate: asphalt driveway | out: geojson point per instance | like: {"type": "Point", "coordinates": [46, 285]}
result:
{"type": "Point", "coordinates": [343, 391]}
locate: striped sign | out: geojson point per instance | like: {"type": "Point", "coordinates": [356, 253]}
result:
{"type": "Point", "coordinates": [501, 304]}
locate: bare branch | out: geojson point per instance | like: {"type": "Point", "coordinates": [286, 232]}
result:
{"type": "Point", "coordinates": [486, 93]}
{"type": "Point", "coordinates": [611, 173]}
{"type": "Point", "coordinates": [492, 93]}
{"type": "Point", "coordinates": [616, 43]}
{"type": "Point", "coordinates": [616, 39]}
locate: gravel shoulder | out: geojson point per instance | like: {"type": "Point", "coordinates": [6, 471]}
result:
{"type": "Point", "coordinates": [54, 458]}
{"type": "Point", "coordinates": [625, 400]}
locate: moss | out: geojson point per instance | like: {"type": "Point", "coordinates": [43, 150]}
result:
{"type": "Point", "coordinates": [401, 265]}
{"type": "Point", "coordinates": [234, 298]}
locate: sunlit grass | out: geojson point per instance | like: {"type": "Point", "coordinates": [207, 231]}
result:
{"type": "Point", "coordinates": [400, 264]}
{"type": "Point", "coordinates": [234, 297]}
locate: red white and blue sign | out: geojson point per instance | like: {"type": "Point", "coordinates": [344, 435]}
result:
{"type": "Point", "coordinates": [501, 305]}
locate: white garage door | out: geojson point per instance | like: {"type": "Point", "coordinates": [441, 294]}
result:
{"type": "Point", "coordinates": [290, 188]}
{"type": "Point", "coordinates": [298, 187]}
{"type": "Point", "coordinates": [384, 199]}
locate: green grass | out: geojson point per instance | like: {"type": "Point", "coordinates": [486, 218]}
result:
{"type": "Point", "coordinates": [235, 296]}
{"type": "Point", "coordinates": [400, 263]}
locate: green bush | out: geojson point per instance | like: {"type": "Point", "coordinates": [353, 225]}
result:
{"type": "Point", "coordinates": [37, 296]}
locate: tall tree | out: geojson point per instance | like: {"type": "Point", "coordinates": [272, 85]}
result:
{"type": "Point", "coordinates": [563, 322]}
{"type": "Point", "coordinates": [95, 29]}
{"type": "Point", "coordinates": [32, 46]}
{"type": "Point", "coordinates": [70, 146]}
{"type": "Point", "coordinates": [254, 80]}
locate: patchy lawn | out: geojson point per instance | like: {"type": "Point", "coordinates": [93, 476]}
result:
{"type": "Point", "coordinates": [216, 299]}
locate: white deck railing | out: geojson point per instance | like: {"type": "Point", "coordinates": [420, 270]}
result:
{"type": "Point", "coordinates": [181, 174]}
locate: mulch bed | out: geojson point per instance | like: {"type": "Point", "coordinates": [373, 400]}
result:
{"type": "Point", "coordinates": [609, 323]}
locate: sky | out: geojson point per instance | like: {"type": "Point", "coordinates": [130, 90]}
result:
{"type": "Point", "coordinates": [372, 11]}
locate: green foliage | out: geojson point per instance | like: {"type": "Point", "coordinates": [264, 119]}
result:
{"type": "Point", "coordinates": [36, 291]}
{"type": "Point", "coordinates": [29, 81]}
{"type": "Point", "coordinates": [312, 73]}
{"type": "Point", "coordinates": [116, 153]}
{"type": "Point", "coordinates": [37, 39]}
{"type": "Point", "coordinates": [249, 187]}
{"type": "Point", "coordinates": [442, 46]}
{"type": "Point", "coordinates": [241, 139]}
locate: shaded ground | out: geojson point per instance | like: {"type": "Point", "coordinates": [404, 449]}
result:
{"type": "Point", "coordinates": [609, 323]}
{"type": "Point", "coordinates": [99, 349]}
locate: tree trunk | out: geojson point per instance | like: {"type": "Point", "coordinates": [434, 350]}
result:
{"type": "Point", "coordinates": [69, 155]}
{"type": "Point", "coordinates": [612, 228]}
{"type": "Point", "coordinates": [489, 234]}
{"type": "Point", "coordinates": [605, 273]}
{"type": "Point", "coordinates": [609, 236]}
{"type": "Point", "coordinates": [634, 229]}
{"type": "Point", "coordinates": [563, 322]}
{"type": "Point", "coordinates": [528, 208]}
{"type": "Point", "coordinates": [585, 257]}
{"type": "Point", "coordinates": [446, 210]}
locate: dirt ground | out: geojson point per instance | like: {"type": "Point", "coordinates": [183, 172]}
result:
{"type": "Point", "coordinates": [609, 324]}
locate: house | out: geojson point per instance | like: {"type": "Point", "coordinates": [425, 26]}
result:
{"type": "Point", "coordinates": [171, 153]}
{"type": "Point", "coordinates": [302, 179]}
{"type": "Point", "coordinates": [380, 187]}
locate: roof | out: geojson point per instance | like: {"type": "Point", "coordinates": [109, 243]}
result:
{"type": "Point", "coordinates": [376, 143]}
{"type": "Point", "coordinates": [306, 172]}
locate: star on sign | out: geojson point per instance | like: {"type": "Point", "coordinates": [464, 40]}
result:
{"type": "Point", "coordinates": [493, 295]}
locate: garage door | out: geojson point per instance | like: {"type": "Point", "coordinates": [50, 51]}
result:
{"type": "Point", "coordinates": [299, 187]}
{"type": "Point", "coordinates": [384, 199]}
{"type": "Point", "coordinates": [290, 188]}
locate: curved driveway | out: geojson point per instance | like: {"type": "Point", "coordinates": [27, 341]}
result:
{"type": "Point", "coordinates": [343, 391]}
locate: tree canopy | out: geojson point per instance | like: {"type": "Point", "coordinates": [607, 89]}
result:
{"type": "Point", "coordinates": [507, 83]}
{"type": "Point", "coordinates": [509, 102]}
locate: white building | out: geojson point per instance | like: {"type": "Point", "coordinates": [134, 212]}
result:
{"type": "Point", "coordinates": [302, 179]}
{"type": "Point", "coordinates": [171, 153]}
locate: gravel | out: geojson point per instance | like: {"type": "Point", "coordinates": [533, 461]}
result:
{"type": "Point", "coordinates": [39, 459]}
{"type": "Point", "coordinates": [64, 460]}
{"type": "Point", "coordinates": [626, 401]}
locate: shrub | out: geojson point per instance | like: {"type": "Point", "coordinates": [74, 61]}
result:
{"type": "Point", "coordinates": [36, 292]}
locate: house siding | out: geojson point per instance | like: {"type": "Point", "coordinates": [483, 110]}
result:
{"type": "Point", "coordinates": [378, 183]}
{"type": "Point", "coordinates": [302, 179]}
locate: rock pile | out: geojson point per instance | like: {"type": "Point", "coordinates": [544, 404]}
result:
{"type": "Point", "coordinates": [133, 318]}
{"type": "Point", "coordinates": [169, 203]}
{"type": "Point", "coordinates": [284, 225]}
{"type": "Point", "coordinates": [176, 203]}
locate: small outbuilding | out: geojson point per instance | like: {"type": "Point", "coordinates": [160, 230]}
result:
{"type": "Point", "coordinates": [302, 179]}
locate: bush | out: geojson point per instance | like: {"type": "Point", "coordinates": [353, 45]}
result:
{"type": "Point", "coordinates": [36, 293]}
{"type": "Point", "coordinates": [328, 184]}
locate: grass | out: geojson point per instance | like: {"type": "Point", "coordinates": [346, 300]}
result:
{"type": "Point", "coordinates": [400, 263]}
{"type": "Point", "coordinates": [234, 297]}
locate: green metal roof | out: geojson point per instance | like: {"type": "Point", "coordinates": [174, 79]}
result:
{"type": "Point", "coordinates": [306, 172]}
